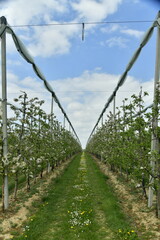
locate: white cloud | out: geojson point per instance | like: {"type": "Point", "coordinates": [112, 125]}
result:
{"type": "Point", "coordinates": [116, 41]}
{"type": "Point", "coordinates": [121, 29]}
{"type": "Point", "coordinates": [90, 92]}
{"type": "Point", "coordinates": [92, 10]}
{"type": "Point", "coordinates": [53, 40]}
{"type": "Point", "coordinates": [110, 29]}
{"type": "Point", "coordinates": [133, 32]}
{"type": "Point", "coordinates": [82, 98]}
{"type": "Point", "coordinates": [13, 62]}
{"type": "Point", "coordinates": [10, 45]}
{"type": "Point", "coordinates": [20, 12]}
{"type": "Point", "coordinates": [42, 41]}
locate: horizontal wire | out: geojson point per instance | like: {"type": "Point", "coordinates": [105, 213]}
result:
{"type": "Point", "coordinates": [80, 23]}
{"type": "Point", "coordinates": [79, 91]}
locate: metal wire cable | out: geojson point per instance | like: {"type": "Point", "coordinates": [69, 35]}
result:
{"type": "Point", "coordinates": [81, 23]}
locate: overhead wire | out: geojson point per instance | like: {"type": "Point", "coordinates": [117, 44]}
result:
{"type": "Point", "coordinates": [81, 23]}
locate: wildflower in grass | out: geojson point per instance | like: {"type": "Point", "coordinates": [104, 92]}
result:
{"type": "Point", "coordinates": [31, 217]}
{"type": "Point", "coordinates": [125, 234]}
{"type": "Point", "coordinates": [82, 212]}
{"type": "Point", "coordinates": [26, 228]}
{"type": "Point", "coordinates": [87, 222]}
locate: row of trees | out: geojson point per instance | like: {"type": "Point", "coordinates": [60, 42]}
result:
{"type": "Point", "coordinates": [36, 142]}
{"type": "Point", "coordinates": [124, 142]}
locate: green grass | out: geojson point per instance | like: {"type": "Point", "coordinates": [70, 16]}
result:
{"type": "Point", "coordinates": [104, 194]}
{"type": "Point", "coordinates": [77, 205]}
{"type": "Point", "coordinates": [105, 200]}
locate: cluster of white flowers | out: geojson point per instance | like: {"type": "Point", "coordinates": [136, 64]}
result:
{"type": "Point", "coordinates": [76, 219]}
{"type": "Point", "coordinates": [39, 160]}
{"type": "Point", "coordinates": [5, 161]}
{"type": "Point", "coordinates": [16, 159]}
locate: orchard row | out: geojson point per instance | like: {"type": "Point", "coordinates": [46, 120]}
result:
{"type": "Point", "coordinates": [37, 142]}
{"type": "Point", "coordinates": [124, 143]}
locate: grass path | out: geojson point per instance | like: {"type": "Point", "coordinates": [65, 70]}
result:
{"type": "Point", "coordinates": [78, 205]}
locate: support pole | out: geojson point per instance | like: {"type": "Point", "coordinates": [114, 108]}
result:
{"type": "Point", "coordinates": [154, 135]}
{"type": "Point", "coordinates": [4, 114]}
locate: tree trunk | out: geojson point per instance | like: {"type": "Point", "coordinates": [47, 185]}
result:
{"type": "Point", "coordinates": [16, 186]}
{"type": "Point", "coordinates": [52, 168]}
{"type": "Point", "coordinates": [121, 171]}
{"type": "Point", "coordinates": [158, 190]}
{"type": "Point", "coordinates": [28, 183]}
{"type": "Point", "coordinates": [127, 175]}
{"type": "Point", "coordinates": [144, 187]}
{"type": "Point", "coordinates": [35, 178]}
{"type": "Point", "coordinates": [41, 173]}
{"type": "Point", "coordinates": [48, 167]}
{"type": "Point", "coordinates": [3, 194]}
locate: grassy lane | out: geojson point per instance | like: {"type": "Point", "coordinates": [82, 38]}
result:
{"type": "Point", "coordinates": [107, 207]}
{"type": "Point", "coordinates": [78, 205]}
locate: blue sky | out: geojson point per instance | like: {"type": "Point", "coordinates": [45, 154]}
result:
{"type": "Point", "coordinates": [82, 73]}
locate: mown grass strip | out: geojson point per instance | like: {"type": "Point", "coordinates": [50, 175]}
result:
{"type": "Point", "coordinates": [66, 211]}
{"type": "Point", "coordinates": [106, 201]}
{"type": "Point", "coordinates": [52, 221]}
{"type": "Point", "coordinates": [77, 205]}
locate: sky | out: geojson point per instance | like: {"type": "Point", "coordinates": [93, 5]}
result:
{"type": "Point", "coordinates": [83, 73]}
